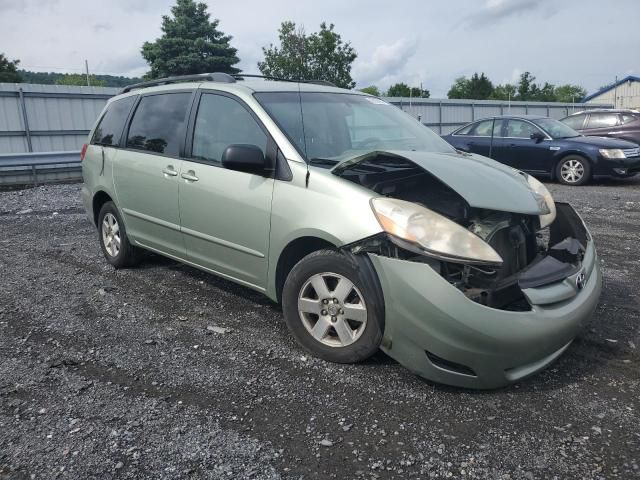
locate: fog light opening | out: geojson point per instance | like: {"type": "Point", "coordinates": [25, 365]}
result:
{"type": "Point", "coordinates": [449, 366]}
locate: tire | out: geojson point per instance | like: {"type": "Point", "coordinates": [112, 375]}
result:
{"type": "Point", "coordinates": [111, 230]}
{"type": "Point", "coordinates": [573, 170]}
{"type": "Point", "coordinates": [348, 330]}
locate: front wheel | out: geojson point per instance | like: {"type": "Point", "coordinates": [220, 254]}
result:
{"type": "Point", "coordinates": [333, 306]}
{"type": "Point", "coordinates": [573, 170]}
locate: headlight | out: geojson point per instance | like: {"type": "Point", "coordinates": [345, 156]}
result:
{"type": "Point", "coordinates": [612, 153]}
{"type": "Point", "coordinates": [434, 233]}
{"type": "Point", "coordinates": [540, 189]}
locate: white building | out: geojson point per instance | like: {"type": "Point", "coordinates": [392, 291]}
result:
{"type": "Point", "coordinates": [624, 93]}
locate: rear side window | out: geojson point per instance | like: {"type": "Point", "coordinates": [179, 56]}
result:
{"type": "Point", "coordinates": [222, 121]}
{"type": "Point", "coordinates": [158, 123]}
{"type": "Point", "coordinates": [602, 120]}
{"type": "Point", "coordinates": [575, 121]}
{"type": "Point", "coordinates": [110, 127]}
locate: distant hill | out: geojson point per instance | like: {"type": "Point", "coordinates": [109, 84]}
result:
{"type": "Point", "coordinates": [51, 78]}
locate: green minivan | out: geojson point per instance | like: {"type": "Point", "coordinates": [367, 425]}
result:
{"type": "Point", "coordinates": [370, 230]}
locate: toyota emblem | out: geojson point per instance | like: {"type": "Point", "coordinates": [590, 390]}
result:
{"type": "Point", "coordinates": [580, 279]}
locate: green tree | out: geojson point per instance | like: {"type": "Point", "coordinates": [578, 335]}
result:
{"type": "Point", "coordinates": [77, 79]}
{"type": "Point", "coordinates": [8, 70]}
{"type": "Point", "coordinates": [403, 90]}
{"type": "Point", "coordinates": [372, 90]}
{"type": "Point", "coordinates": [190, 44]}
{"type": "Point", "coordinates": [504, 92]}
{"type": "Point", "coordinates": [570, 93]}
{"type": "Point", "coordinates": [478, 87]}
{"type": "Point", "coordinates": [317, 56]}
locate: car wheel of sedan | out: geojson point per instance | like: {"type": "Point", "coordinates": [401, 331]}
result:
{"type": "Point", "coordinates": [113, 238]}
{"type": "Point", "coordinates": [332, 303]}
{"type": "Point", "coordinates": [573, 170]}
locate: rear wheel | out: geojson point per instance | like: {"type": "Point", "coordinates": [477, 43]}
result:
{"type": "Point", "coordinates": [333, 307]}
{"type": "Point", "coordinates": [573, 170]}
{"type": "Point", "coordinates": [113, 238]}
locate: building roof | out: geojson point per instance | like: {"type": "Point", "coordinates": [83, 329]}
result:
{"type": "Point", "coordinates": [629, 78]}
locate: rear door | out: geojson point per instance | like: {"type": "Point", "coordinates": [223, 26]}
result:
{"type": "Point", "coordinates": [521, 151]}
{"type": "Point", "coordinates": [146, 172]}
{"type": "Point", "coordinates": [225, 214]}
{"type": "Point", "coordinates": [478, 137]}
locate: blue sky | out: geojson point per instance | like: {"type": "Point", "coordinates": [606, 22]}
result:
{"type": "Point", "coordinates": [416, 41]}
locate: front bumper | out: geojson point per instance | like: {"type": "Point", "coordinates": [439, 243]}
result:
{"type": "Point", "coordinates": [619, 167]}
{"type": "Point", "coordinates": [433, 329]}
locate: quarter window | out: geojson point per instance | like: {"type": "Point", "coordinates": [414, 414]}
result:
{"type": "Point", "coordinates": [222, 121]}
{"type": "Point", "coordinates": [110, 127]}
{"type": "Point", "coordinates": [158, 123]}
{"type": "Point", "coordinates": [520, 129]}
{"type": "Point", "coordinates": [602, 120]}
{"type": "Point", "coordinates": [628, 118]}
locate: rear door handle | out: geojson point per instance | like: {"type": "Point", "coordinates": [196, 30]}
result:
{"type": "Point", "coordinates": [190, 176]}
{"type": "Point", "coordinates": [170, 171]}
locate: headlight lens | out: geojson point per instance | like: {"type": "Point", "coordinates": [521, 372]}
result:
{"type": "Point", "coordinates": [612, 153]}
{"type": "Point", "coordinates": [540, 189]}
{"type": "Point", "coordinates": [434, 233]}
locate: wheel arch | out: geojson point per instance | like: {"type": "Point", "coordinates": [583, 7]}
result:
{"type": "Point", "coordinates": [99, 199]}
{"type": "Point", "coordinates": [568, 153]}
{"type": "Point", "coordinates": [292, 253]}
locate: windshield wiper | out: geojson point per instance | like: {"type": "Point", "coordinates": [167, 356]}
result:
{"type": "Point", "coordinates": [324, 161]}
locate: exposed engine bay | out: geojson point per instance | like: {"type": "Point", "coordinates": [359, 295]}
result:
{"type": "Point", "coordinates": [531, 256]}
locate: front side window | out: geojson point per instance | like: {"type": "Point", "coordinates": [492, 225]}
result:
{"type": "Point", "coordinates": [334, 126]}
{"type": "Point", "coordinates": [222, 121]}
{"type": "Point", "coordinates": [158, 123]}
{"type": "Point", "coordinates": [109, 129]}
{"type": "Point", "coordinates": [602, 120]}
{"type": "Point", "coordinates": [520, 129]}
{"type": "Point", "coordinates": [575, 121]}
{"type": "Point", "coordinates": [556, 128]}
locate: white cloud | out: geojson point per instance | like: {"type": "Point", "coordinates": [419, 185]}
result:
{"type": "Point", "coordinates": [387, 61]}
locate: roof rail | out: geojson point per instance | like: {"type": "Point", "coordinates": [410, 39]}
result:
{"type": "Point", "coordinates": [211, 77]}
{"type": "Point", "coordinates": [215, 77]}
{"type": "Point", "coordinates": [240, 76]}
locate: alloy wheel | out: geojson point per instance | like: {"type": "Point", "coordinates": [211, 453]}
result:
{"type": "Point", "coordinates": [572, 171]}
{"type": "Point", "coordinates": [111, 234]}
{"type": "Point", "coordinates": [332, 309]}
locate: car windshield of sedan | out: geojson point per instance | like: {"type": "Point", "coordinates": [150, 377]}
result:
{"type": "Point", "coordinates": [556, 128]}
{"type": "Point", "coordinates": [327, 128]}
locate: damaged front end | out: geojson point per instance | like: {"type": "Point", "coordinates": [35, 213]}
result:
{"type": "Point", "coordinates": [523, 255]}
{"type": "Point", "coordinates": [485, 279]}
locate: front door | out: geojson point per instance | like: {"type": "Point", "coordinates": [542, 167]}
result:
{"type": "Point", "coordinates": [521, 151]}
{"type": "Point", "coordinates": [225, 215]}
{"type": "Point", "coordinates": [146, 172]}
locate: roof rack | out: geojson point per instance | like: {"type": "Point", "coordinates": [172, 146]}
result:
{"type": "Point", "coordinates": [215, 77]}
{"type": "Point", "coordinates": [211, 77]}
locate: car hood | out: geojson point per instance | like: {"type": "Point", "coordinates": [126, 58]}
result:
{"type": "Point", "coordinates": [482, 182]}
{"type": "Point", "coordinates": [603, 142]}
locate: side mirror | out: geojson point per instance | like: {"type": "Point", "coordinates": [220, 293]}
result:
{"type": "Point", "coordinates": [244, 158]}
{"type": "Point", "coordinates": [537, 136]}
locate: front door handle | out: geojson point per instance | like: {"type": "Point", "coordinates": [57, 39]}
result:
{"type": "Point", "coordinates": [190, 176]}
{"type": "Point", "coordinates": [169, 171]}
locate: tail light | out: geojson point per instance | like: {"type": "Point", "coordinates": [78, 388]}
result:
{"type": "Point", "coordinates": [83, 152]}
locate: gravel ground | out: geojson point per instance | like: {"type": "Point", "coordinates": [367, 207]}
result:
{"type": "Point", "coordinates": [166, 372]}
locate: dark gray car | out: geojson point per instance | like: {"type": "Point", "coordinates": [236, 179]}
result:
{"type": "Point", "coordinates": [623, 124]}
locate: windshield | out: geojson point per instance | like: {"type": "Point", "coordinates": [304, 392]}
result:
{"type": "Point", "coordinates": [329, 127]}
{"type": "Point", "coordinates": [556, 129]}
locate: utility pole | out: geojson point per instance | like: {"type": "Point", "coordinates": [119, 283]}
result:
{"type": "Point", "coordinates": [615, 93]}
{"type": "Point", "coordinates": [86, 67]}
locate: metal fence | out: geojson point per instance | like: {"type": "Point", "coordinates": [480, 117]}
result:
{"type": "Point", "coordinates": [42, 127]}
{"type": "Point", "coordinates": [444, 116]}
